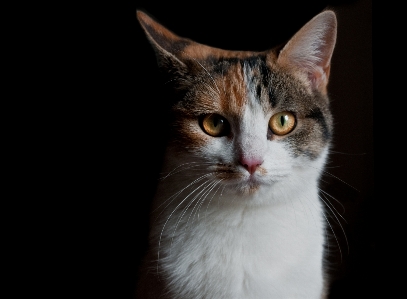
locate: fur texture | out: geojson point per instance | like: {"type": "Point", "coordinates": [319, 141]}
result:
{"type": "Point", "coordinates": [237, 213]}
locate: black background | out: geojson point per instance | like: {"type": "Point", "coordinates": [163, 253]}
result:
{"type": "Point", "coordinates": [122, 143]}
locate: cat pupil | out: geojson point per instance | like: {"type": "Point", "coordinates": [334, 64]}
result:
{"type": "Point", "coordinates": [282, 120]}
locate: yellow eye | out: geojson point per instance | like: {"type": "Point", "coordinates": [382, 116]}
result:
{"type": "Point", "coordinates": [282, 123]}
{"type": "Point", "coordinates": [215, 125]}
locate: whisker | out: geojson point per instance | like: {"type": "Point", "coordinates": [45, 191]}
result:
{"type": "Point", "coordinates": [337, 242]}
{"type": "Point", "coordinates": [343, 208]}
{"type": "Point", "coordinates": [337, 219]}
{"type": "Point", "coordinates": [207, 72]}
{"type": "Point", "coordinates": [203, 199]}
{"type": "Point", "coordinates": [186, 209]}
{"type": "Point", "coordinates": [212, 92]}
{"type": "Point", "coordinates": [191, 168]}
{"type": "Point", "coordinates": [343, 231]}
{"type": "Point", "coordinates": [210, 76]}
{"type": "Point", "coordinates": [179, 192]}
{"type": "Point", "coordinates": [340, 180]}
{"type": "Point", "coordinates": [325, 228]}
{"type": "Point", "coordinates": [333, 210]}
{"type": "Point", "coordinates": [172, 171]}
{"type": "Point", "coordinates": [334, 176]}
{"type": "Point", "coordinates": [169, 217]}
{"type": "Point", "coordinates": [335, 152]}
{"type": "Point", "coordinates": [198, 202]}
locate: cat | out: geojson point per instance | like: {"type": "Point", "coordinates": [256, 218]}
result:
{"type": "Point", "coordinates": [237, 212]}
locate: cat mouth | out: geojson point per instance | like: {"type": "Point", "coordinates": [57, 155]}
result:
{"type": "Point", "coordinates": [253, 181]}
{"type": "Point", "coordinates": [241, 180]}
{"type": "Point", "coordinates": [249, 185]}
{"type": "Point", "coordinates": [243, 184]}
{"type": "Point", "coordinates": [235, 176]}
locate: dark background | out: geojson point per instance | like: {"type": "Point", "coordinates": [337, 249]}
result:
{"type": "Point", "coordinates": [126, 124]}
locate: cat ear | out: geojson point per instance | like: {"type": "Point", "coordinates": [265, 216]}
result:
{"type": "Point", "coordinates": [167, 45]}
{"type": "Point", "coordinates": [310, 50]}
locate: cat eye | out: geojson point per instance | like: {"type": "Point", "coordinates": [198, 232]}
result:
{"type": "Point", "coordinates": [215, 125]}
{"type": "Point", "coordinates": [282, 123]}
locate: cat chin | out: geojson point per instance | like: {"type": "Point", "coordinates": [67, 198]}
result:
{"type": "Point", "coordinates": [247, 186]}
{"type": "Point", "coordinates": [249, 189]}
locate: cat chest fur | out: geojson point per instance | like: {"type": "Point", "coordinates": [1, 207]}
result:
{"type": "Point", "coordinates": [243, 251]}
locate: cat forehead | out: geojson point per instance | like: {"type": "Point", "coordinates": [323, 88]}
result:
{"type": "Point", "coordinates": [230, 84]}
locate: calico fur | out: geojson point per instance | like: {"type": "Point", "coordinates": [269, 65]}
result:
{"type": "Point", "coordinates": [239, 215]}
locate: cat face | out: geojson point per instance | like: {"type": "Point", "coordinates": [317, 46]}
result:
{"type": "Point", "coordinates": [251, 119]}
{"type": "Point", "coordinates": [250, 122]}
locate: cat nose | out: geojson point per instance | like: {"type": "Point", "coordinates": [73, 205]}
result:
{"type": "Point", "coordinates": [250, 164]}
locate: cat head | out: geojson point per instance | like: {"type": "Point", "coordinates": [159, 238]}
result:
{"type": "Point", "coordinates": [252, 118]}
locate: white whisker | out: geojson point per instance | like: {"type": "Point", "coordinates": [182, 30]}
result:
{"type": "Point", "coordinates": [336, 201]}
{"type": "Point", "coordinates": [169, 217]}
{"type": "Point", "coordinates": [334, 176]}
{"type": "Point", "coordinates": [210, 76]}
{"type": "Point", "coordinates": [172, 172]}
{"type": "Point", "coordinates": [204, 198]}
{"type": "Point", "coordinates": [186, 208]}
{"type": "Point", "coordinates": [337, 219]}
{"type": "Point", "coordinates": [337, 241]}
{"type": "Point", "coordinates": [207, 72]}
{"type": "Point", "coordinates": [335, 152]}
{"type": "Point", "coordinates": [179, 192]}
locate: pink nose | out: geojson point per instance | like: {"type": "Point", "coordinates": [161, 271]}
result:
{"type": "Point", "coordinates": [250, 164]}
